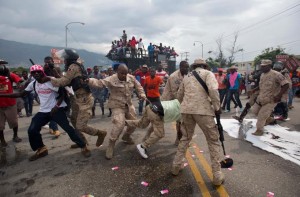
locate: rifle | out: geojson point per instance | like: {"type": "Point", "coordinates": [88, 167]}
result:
{"type": "Point", "coordinates": [228, 162]}
{"type": "Point", "coordinates": [31, 61]}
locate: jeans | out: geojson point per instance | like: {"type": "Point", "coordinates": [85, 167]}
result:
{"type": "Point", "coordinates": [236, 95]}
{"type": "Point", "coordinates": [222, 93]}
{"type": "Point", "coordinates": [226, 97]}
{"type": "Point", "coordinates": [141, 106]}
{"type": "Point", "coordinates": [28, 101]}
{"type": "Point", "coordinates": [40, 119]}
{"type": "Point", "coordinates": [292, 92]}
{"type": "Point", "coordinates": [53, 125]}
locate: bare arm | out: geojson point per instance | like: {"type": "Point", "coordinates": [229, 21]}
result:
{"type": "Point", "coordinates": [15, 95]}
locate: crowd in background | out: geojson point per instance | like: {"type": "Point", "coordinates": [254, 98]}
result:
{"type": "Point", "coordinates": [136, 49]}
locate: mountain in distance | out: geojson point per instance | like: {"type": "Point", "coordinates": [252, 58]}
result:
{"type": "Point", "coordinates": [17, 54]}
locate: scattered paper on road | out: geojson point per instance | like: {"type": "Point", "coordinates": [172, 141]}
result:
{"type": "Point", "coordinates": [165, 191]}
{"type": "Point", "coordinates": [286, 144]}
{"type": "Point", "coordinates": [115, 168]}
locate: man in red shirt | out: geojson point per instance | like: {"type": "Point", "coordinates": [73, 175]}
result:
{"type": "Point", "coordinates": [151, 86]}
{"type": "Point", "coordinates": [221, 78]}
{"type": "Point", "coordinates": [8, 107]}
{"type": "Point", "coordinates": [141, 75]}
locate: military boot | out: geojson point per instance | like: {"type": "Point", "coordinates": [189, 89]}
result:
{"type": "Point", "coordinates": [101, 136]}
{"type": "Point", "coordinates": [258, 133]}
{"type": "Point", "coordinates": [218, 178]}
{"type": "Point", "coordinates": [85, 151]}
{"type": "Point", "coordinates": [127, 139]}
{"type": "Point", "coordinates": [175, 170]}
{"type": "Point", "coordinates": [93, 111]}
{"type": "Point", "coordinates": [270, 120]}
{"type": "Point", "coordinates": [110, 149]}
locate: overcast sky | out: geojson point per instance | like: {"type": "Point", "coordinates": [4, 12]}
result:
{"type": "Point", "coordinates": [174, 23]}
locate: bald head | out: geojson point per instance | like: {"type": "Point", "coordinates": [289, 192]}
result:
{"type": "Point", "coordinates": [122, 72]}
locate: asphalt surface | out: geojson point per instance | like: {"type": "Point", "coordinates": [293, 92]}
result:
{"type": "Point", "coordinates": [65, 172]}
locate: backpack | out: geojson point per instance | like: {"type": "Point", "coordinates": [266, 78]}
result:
{"type": "Point", "coordinates": [62, 92]}
{"type": "Point", "coordinates": [80, 81]}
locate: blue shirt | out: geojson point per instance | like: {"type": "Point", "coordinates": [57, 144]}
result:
{"type": "Point", "coordinates": [236, 83]}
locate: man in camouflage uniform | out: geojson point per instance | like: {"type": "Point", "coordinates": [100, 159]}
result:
{"type": "Point", "coordinates": [157, 113]}
{"type": "Point", "coordinates": [83, 100]}
{"type": "Point", "coordinates": [171, 88]}
{"type": "Point", "coordinates": [272, 86]}
{"type": "Point", "coordinates": [121, 87]}
{"type": "Point", "coordinates": [199, 107]}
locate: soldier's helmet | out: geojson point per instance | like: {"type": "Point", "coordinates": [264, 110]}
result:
{"type": "Point", "coordinates": [67, 54]}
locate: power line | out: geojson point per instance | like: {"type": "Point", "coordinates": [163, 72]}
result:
{"type": "Point", "coordinates": [259, 22]}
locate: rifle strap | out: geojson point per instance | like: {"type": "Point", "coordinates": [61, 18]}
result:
{"type": "Point", "coordinates": [201, 81]}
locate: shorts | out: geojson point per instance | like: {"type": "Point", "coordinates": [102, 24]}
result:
{"type": "Point", "coordinates": [8, 114]}
{"type": "Point", "coordinates": [20, 103]}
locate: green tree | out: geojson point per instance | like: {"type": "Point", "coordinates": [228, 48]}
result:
{"type": "Point", "coordinates": [269, 53]}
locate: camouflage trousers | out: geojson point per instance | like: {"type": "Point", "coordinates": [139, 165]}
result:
{"type": "Point", "coordinates": [81, 107]}
{"type": "Point", "coordinates": [262, 112]}
{"type": "Point", "coordinates": [208, 126]}
{"type": "Point", "coordinates": [119, 115]}
{"type": "Point", "coordinates": [156, 130]}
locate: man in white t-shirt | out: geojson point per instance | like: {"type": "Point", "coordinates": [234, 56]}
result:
{"type": "Point", "coordinates": [50, 109]}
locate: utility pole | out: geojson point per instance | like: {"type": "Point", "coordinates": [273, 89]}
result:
{"type": "Point", "coordinates": [186, 55]}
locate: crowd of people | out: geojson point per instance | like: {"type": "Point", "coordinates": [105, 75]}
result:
{"type": "Point", "coordinates": [136, 49]}
{"type": "Point", "coordinates": [168, 98]}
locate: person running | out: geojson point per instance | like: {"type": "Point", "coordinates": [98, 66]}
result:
{"type": "Point", "coordinates": [50, 109]}
{"type": "Point", "coordinates": [157, 113]}
{"type": "Point", "coordinates": [83, 100]}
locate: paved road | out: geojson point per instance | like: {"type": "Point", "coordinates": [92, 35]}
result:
{"type": "Point", "coordinates": [65, 172]}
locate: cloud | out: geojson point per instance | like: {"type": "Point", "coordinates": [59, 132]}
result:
{"type": "Point", "coordinates": [174, 23]}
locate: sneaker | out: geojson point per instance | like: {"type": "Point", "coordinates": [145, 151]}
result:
{"type": "Point", "coordinates": [142, 151]}
{"type": "Point", "coordinates": [226, 111]}
{"type": "Point", "coordinates": [41, 152]}
{"type": "Point", "coordinates": [74, 146]}
{"type": "Point", "coordinates": [290, 106]}
{"type": "Point", "coordinates": [241, 109]}
{"type": "Point", "coordinates": [45, 126]}
{"type": "Point", "coordinates": [218, 178]}
{"type": "Point", "coordinates": [20, 115]}
{"type": "Point", "coordinates": [56, 133]}
{"type": "Point", "coordinates": [86, 152]}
